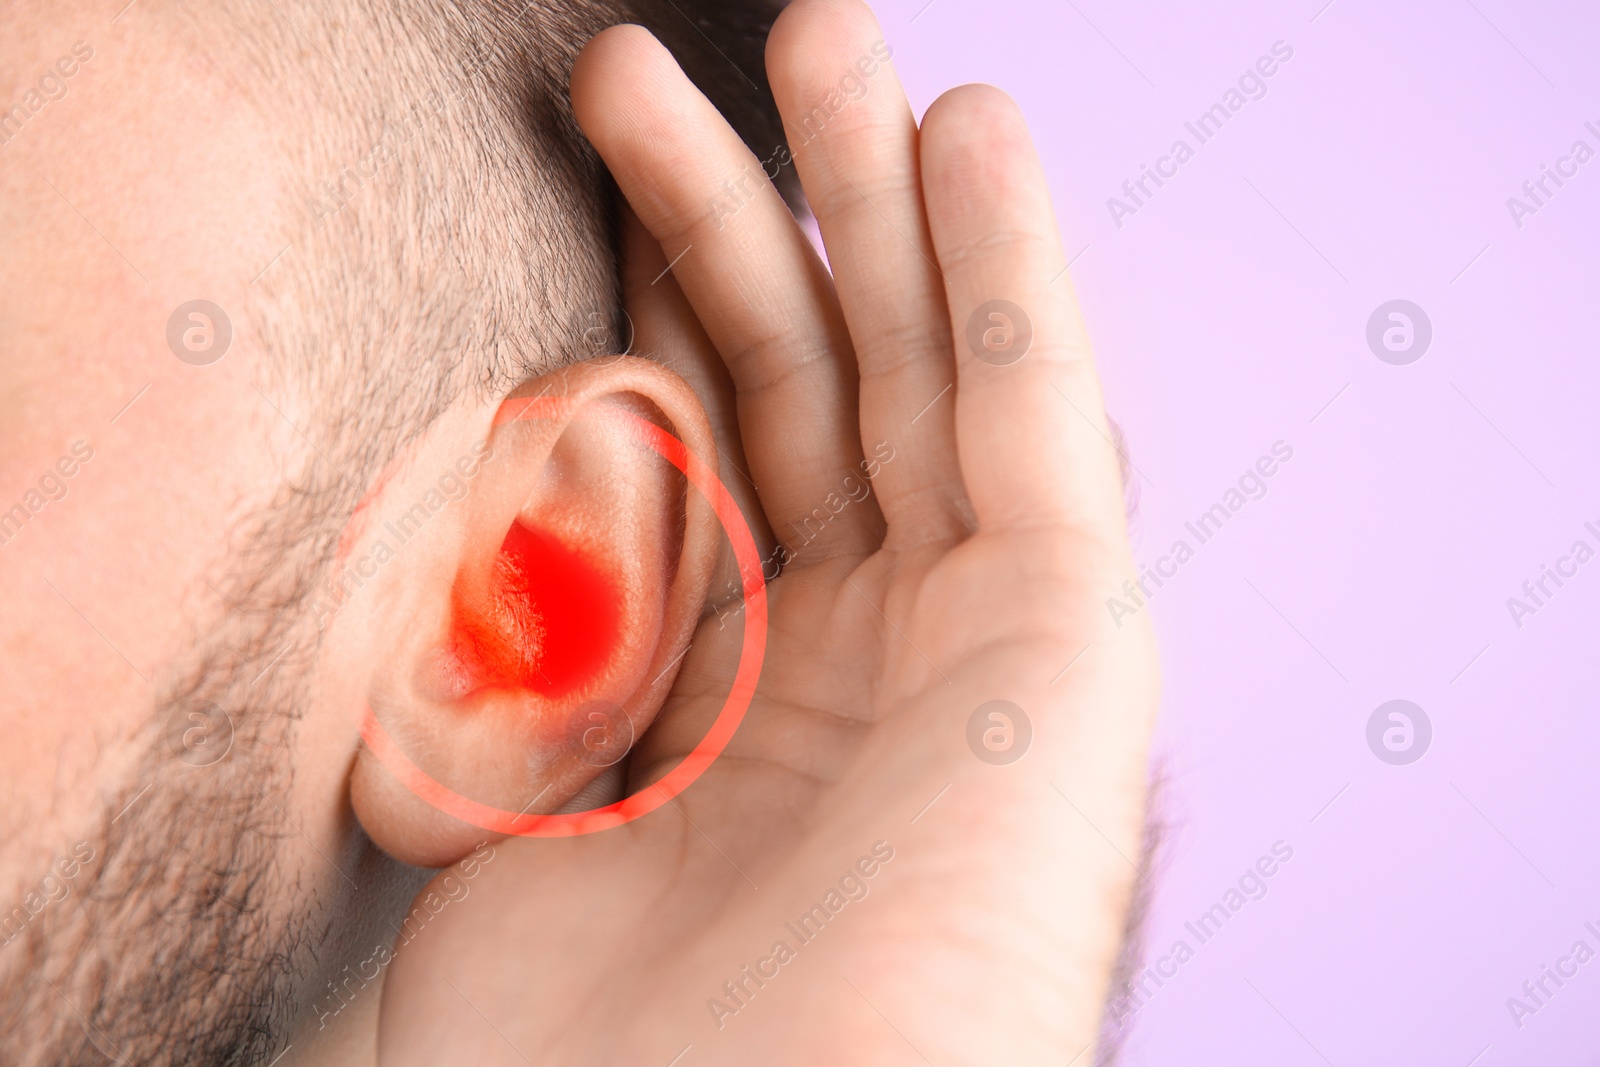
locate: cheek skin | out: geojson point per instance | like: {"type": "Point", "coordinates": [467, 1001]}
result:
{"type": "Point", "coordinates": [552, 623]}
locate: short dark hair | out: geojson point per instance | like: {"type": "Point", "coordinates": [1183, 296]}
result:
{"type": "Point", "coordinates": [448, 225]}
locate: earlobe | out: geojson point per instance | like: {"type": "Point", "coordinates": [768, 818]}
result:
{"type": "Point", "coordinates": [569, 578]}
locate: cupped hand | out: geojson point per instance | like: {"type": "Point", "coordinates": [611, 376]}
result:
{"type": "Point", "coordinates": [884, 866]}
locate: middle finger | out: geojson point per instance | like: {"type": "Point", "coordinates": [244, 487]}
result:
{"type": "Point", "coordinates": [854, 141]}
{"type": "Point", "coordinates": [764, 297]}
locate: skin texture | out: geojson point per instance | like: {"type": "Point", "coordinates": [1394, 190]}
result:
{"type": "Point", "coordinates": [242, 906]}
{"type": "Point", "coordinates": [973, 572]}
{"type": "Point", "coordinates": [115, 594]}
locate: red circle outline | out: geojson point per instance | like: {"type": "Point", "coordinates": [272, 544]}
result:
{"type": "Point", "coordinates": [751, 656]}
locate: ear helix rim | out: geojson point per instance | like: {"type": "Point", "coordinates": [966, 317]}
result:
{"type": "Point", "coordinates": [751, 656]}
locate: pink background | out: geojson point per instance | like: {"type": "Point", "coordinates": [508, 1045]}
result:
{"type": "Point", "coordinates": [1228, 312]}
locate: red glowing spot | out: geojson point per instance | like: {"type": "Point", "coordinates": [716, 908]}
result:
{"type": "Point", "coordinates": [551, 624]}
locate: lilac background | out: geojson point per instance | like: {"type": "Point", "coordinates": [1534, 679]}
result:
{"type": "Point", "coordinates": [1417, 501]}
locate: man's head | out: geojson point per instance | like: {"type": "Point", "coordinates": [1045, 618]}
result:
{"type": "Point", "coordinates": [394, 226]}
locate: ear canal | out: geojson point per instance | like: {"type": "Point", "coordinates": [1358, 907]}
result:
{"type": "Point", "coordinates": [551, 621]}
{"type": "Point", "coordinates": [562, 591]}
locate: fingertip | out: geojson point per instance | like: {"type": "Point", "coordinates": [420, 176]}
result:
{"type": "Point", "coordinates": [622, 42]}
{"type": "Point", "coordinates": [615, 59]}
{"type": "Point", "coordinates": [975, 108]}
{"type": "Point", "coordinates": [807, 28]}
{"type": "Point", "coordinates": [974, 138]}
{"type": "Point", "coordinates": [830, 66]}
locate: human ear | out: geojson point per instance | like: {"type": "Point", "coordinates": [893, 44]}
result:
{"type": "Point", "coordinates": [546, 567]}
